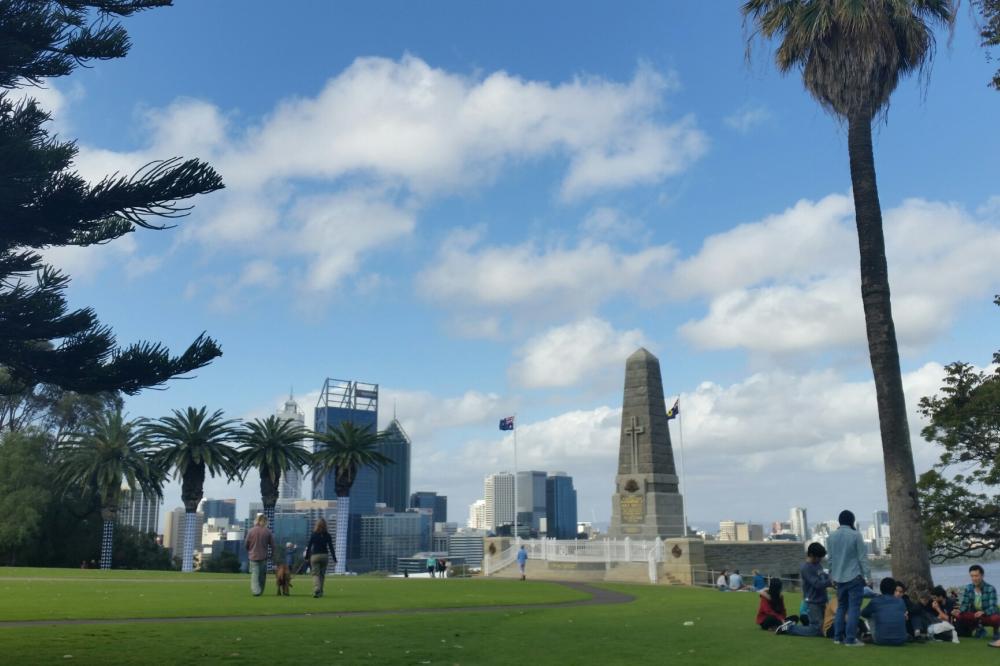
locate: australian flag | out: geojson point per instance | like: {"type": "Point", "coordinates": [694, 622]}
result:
{"type": "Point", "coordinates": [675, 410]}
{"type": "Point", "coordinates": [507, 423]}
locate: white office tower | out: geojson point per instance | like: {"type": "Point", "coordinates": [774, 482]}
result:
{"type": "Point", "coordinates": [499, 500]}
{"type": "Point", "coordinates": [800, 527]}
{"type": "Point", "coordinates": [291, 481]}
{"type": "Point", "coordinates": [137, 510]}
{"type": "Point", "coordinates": [477, 515]}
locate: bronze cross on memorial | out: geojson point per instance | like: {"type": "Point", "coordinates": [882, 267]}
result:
{"type": "Point", "coordinates": [634, 431]}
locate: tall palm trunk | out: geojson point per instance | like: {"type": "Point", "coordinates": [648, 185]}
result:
{"type": "Point", "coordinates": [190, 523]}
{"type": "Point", "coordinates": [343, 521]}
{"type": "Point", "coordinates": [910, 561]}
{"type": "Point", "coordinates": [269, 483]}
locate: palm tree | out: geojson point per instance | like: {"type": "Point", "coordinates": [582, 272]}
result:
{"type": "Point", "coordinates": [852, 54]}
{"type": "Point", "coordinates": [273, 446]}
{"type": "Point", "coordinates": [343, 451]}
{"type": "Point", "coordinates": [106, 452]}
{"type": "Point", "coordinates": [193, 443]}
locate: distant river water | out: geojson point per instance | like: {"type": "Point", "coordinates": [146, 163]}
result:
{"type": "Point", "coordinates": [955, 575]}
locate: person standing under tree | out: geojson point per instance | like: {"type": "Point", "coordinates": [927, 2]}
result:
{"type": "Point", "coordinates": [258, 540]}
{"type": "Point", "coordinates": [849, 571]}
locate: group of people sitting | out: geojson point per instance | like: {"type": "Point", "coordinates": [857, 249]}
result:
{"type": "Point", "coordinates": [889, 618]}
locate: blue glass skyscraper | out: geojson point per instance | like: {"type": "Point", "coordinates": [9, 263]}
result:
{"type": "Point", "coordinates": [560, 506]}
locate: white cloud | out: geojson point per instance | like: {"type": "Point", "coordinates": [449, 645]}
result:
{"type": "Point", "coordinates": [384, 136]}
{"type": "Point", "coordinates": [555, 279]}
{"type": "Point", "coordinates": [747, 117]}
{"type": "Point", "coordinates": [791, 283]}
{"type": "Point", "coordinates": [564, 355]}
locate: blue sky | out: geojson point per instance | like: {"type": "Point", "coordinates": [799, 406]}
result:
{"type": "Point", "coordinates": [486, 209]}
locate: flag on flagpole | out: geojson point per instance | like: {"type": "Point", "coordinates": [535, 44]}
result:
{"type": "Point", "coordinates": [675, 410]}
{"type": "Point", "coordinates": [507, 423]}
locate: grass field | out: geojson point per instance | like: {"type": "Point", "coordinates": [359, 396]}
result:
{"type": "Point", "coordinates": [649, 630]}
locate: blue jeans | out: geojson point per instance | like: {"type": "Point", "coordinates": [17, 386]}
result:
{"type": "Point", "coordinates": [815, 628]}
{"type": "Point", "coordinates": [258, 576]}
{"type": "Point", "coordinates": [845, 622]}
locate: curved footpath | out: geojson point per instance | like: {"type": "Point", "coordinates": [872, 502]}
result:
{"type": "Point", "coordinates": [598, 597]}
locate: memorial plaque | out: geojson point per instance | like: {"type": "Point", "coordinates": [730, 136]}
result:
{"type": "Point", "coordinates": [632, 509]}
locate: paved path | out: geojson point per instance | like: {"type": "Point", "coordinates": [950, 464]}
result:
{"type": "Point", "coordinates": [598, 597]}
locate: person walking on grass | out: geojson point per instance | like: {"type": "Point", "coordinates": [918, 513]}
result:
{"type": "Point", "coordinates": [849, 571]}
{"type": "Point", "coordinates": [522, 561]}
{"type": "Point", "coordinates": [320, 554]}
{"type": "Point", "coordinates": [258, 539]}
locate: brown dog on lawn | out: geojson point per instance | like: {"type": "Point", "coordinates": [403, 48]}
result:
{"type": "Point", "coordinates": [283, 579]}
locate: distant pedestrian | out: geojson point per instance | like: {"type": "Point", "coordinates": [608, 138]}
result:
{"type": "Point", "coordinates": [522, 561]}
{"type": "Point", "coordinates": [850, 572]}
{"type": "Point", "coordinates": [319, 554]}
{"type": "Point", "coordinates": [442, 567]}
{"type": "Point", "coordinates": [431, 565]}
{"type": "Point", "coordinates": [258, 539]}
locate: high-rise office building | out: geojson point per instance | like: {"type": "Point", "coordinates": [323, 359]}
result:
{"type": "Point", "coordinates": [290, 487]}
{"type": "Point", "coordinates": [477, 515]}
{"type": "Point", "coordinates": [731, 530]}
{"type": "Point", "coordinates": [386, 537]}
{"type": "Point", "coordinates": [394, 478]}
{"type": "Point", "coordinates": [218, 508]}
{"type": "Point", "coordinates": [347, 401]}
{"type": "Point", "coordinates": [138, 511]}
{"type": "Point", "coordinates": [498, 491]}
{"type": "Point", "coordinates": [880, 520]}
{"type": "Point", "coordinates": [467, 544]}
{"type": "Point", "coordinates": [173, 531]}
{"type": "Point", "coordinates": [531, 507]}
{"type": "Point", "coordinates": [560, 506]}
{"type": "Point", "coordinates": [438, 504]}
{"type": "Point", "coordinates": [799, 524]}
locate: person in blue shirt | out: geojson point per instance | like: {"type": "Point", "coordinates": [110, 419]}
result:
{"type": "Point", "coordinates": [849, 571]}
{"type": "Point", "coordinates": [887, 615]}
{"type": "Point", "coordinates": [759, 582]}
{"type": "Point", "coordinates": [522, 560]}
{"type": "Point", "coordinates": [814, 584]}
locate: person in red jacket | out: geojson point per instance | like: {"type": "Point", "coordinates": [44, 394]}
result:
{"type": "Point", "coordinates": [771, 612]}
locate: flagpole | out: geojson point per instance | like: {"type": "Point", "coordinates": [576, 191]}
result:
{"type": "Point", "coordinates": [680, 430]}
{"type": "Point", "coordinates": [515, 476]}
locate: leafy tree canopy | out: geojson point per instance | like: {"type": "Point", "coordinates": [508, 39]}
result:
{"type": "Point", "coordinates": [961, 495]}
{"type": "Point", "coordinates": [45, 203]}
{"type": "Point", "coordinates": [990, 29]}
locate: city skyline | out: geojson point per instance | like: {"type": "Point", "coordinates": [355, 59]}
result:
{"type": "Point", "coordinates": [524, 213]}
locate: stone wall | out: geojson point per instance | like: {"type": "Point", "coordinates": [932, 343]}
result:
{"type": "Point", "coordinates": [771, 558]}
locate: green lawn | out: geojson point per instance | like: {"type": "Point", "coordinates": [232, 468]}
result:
{"type": "Point", "coordinates": [650, 630]}
{"type": "Point", "coordinates": [36, 594]}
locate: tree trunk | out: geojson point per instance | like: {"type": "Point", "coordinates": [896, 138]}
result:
{"type": "Point", "coordinates": [269, 498]}
{"type": "Point", "coordinates": [910, 562]}
{"type": "Point", "coordinates": [107, 542]}
{"type": "Point", "coordinates": [190, 523]}
{"type": "Point", "coordinates": [343, 521]}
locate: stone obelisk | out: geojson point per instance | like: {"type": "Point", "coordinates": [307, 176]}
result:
{"type": "Point", "coordinates": [647, 502]}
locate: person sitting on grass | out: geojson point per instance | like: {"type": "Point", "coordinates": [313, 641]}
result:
{"type": "Point", "coordinates": [771, 612]}
{"type": "Point", "coordinates": [887, 615]}
{"type": "Point", "coordinates": [978, 609]}
{"type": "Point", "coordinates": [814, 584]}
{"type": "Point", "coordinates": [736, 581]}
{"type": "Point", "coordinates": [759, 582]}
{"type": "Point", "coordinates": [936, 609]}
{"type": "Point", "coordinates": [722, 582]}
{"type": "Point", "coordinates": [916, 620]}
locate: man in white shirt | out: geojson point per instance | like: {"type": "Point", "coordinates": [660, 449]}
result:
{"type": "Point", "coordinates": [736, 581]}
